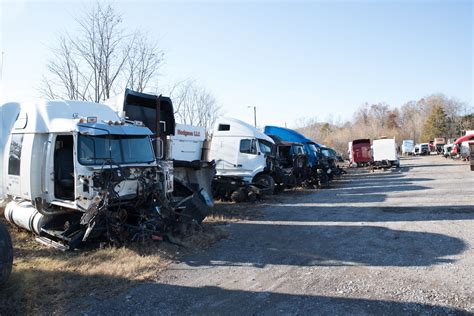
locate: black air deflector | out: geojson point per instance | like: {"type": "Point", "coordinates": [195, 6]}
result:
{"type": "Point", "coordinates": [156, 112]}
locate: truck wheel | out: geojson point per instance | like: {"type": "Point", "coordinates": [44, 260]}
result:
{"type": "Point", "coordinates": [6, 254]}
{"type": "Point", "coordinates": [267, 182]}
{"type": "Point", "coordinates": [238, 195]}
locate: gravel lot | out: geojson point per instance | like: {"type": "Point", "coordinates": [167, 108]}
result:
{"type": "Point", "coordinates": [393, 242]}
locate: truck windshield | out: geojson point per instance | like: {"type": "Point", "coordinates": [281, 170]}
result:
{"type": "Point", "coordinates": [313, 148]}
{"type": "Point", "coordinates": [122, 149]}
{"type": "Point", "coordinates": [265, 146]}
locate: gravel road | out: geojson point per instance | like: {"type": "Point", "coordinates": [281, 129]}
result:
{"type": "Point", "coordinates": [393, 242]}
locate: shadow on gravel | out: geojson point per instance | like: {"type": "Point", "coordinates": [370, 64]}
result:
{"type": "Point", "coordinates": [321, 245]}
{"type": "Point", "coordinates": [382, 181]}
{"type": "Point", "coordinates": [164, 299]}
{"type": "Point", "coordinates": [210, 300]}
{"type": "Point", "coordinates": [305, 213]}
{"type": "Point", "coordinates": [444, 165]}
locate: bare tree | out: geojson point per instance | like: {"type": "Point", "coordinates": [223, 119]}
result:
{"type": "Point", "coordinates": [194, 104]}
{"type": "Point", "coordinates": [101, 60]}
{"type": "Point", "coordinates": [406, 122]}
{"type": "Point", "coordinates": [143, 63]}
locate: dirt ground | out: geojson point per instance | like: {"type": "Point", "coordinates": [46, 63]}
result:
{"type": "Point", "coordinates": [384, 242]}
{"type": "Point", "coordinates": [394, 242]}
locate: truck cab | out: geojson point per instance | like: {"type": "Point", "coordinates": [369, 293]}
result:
{"type": "Point", "coordinates": [71, 167]}
{"type": "Point", "coordinates": [292, 160]}
{"type": "Point", "coordinates": [241, 150]}
{"type": "Point", "coordinates": [318, 163]}
{"type": "Point", "coordinates": [181, 146]}
{"type": "Point", "coordinates": [360, 152]}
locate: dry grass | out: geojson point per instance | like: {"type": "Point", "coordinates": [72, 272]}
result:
{"type": "Point", "coordinates": [46, 280]}
{"type": "Point", "coordinates": [224, 212]}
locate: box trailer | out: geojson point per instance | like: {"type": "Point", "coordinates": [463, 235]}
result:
{"type": "Point", "coordinates": [385, 153]}
{"type": "Point", "coordinates": [408, 147]}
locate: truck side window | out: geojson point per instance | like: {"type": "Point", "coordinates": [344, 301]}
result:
{"type": "Point", "coordinates": [248, 146]}
{"type": "Point", "coordinates": [14, 157]}
{"type": "Point", "coordinates": [223, 127]}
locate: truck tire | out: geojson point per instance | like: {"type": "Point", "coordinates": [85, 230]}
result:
{"type": "Point", "coordinates": [6, 254]}
{"type": "Point", "coordinates": [267, 182]}
{"type": "Point", "coordinates": [239, 195]}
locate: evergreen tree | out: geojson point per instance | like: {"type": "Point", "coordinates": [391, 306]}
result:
{"type": "Point", "coordinates": [436, 124]}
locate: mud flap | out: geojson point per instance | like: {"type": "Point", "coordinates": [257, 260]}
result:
{"type": "Point", "coordinates": [196, 176]}
{"type": "Point", "coordinates": [194, 208]}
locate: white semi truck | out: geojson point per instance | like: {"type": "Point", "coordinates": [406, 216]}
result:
{"type": "Point", "coordinates": [245, 160]}
{"type": "Point", "coordinates": [73, 170]}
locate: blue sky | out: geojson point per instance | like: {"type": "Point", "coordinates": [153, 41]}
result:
{"type": "Point", "coordinates": [292, 60]}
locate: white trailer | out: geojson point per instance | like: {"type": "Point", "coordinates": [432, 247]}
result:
{"type": "Point", "coordinates": [408, 147]}
{"type": "Point", "coordinates": [385, 152]}
{"type": "Point", "coordinates": [73, 169]}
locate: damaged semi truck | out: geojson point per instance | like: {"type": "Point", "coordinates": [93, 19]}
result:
{"type": "Point", "coordinates": [320, 171]}
{"type": "Point", "coordinates": [292, 161]}
{"type": "Point", "coordinates": [182, 146]}
{"type": "Point", "coordinates": [75, 170]}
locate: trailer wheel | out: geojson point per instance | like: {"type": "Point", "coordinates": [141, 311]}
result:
{"type": "Point", "coordinates": [6, 254]}
{"type": "Point", "coordinates": [266, 181]}
{"type": "Point", "coordinates": [239, 195]}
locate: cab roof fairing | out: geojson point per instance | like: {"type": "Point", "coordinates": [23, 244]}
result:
{"type": "Point", "coordinates": [58, 116]}
{"type": "Point", "coordinates": [279, 141]}
{"type": "Point", "coordinates": [238, 128]}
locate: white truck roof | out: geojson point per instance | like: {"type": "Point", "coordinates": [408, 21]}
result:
{"type": "Point", "coordinates": [56, 116]}
{"type": "Point", "coordinates": [231, 127]}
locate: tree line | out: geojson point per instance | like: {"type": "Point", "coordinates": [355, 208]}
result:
{"type": "Point", "coordinates": [100, 59]}
{"type": "Point", "coordinates": [433, 116]}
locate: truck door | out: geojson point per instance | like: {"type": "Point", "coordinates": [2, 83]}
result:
{"type": "Point", "coordinates": [249, 158]}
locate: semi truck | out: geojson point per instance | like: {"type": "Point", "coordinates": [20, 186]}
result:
{"type": "Point", "coordinates": [245, 161]}
{"type": "Point", "coordinates": [73, 170]}
{"type": "Point", "coordinates": [439, 143]}
{"type": "Point", "coordinates": [292, 160]}
{"type": "Point", "coordinates": [320, 173]}
{"type": "Point", "coordinates": [181, 146]}
{"type": "Point", "coordinates": [360, 152]}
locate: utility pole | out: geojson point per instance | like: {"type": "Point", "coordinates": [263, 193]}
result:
{"type": "Point", "coordinates": [1, 69]}
{"type": "Point", "coordinates": [254, 114]}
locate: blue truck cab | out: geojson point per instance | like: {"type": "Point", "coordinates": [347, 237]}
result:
{"type": "Point", "coordinates": [288, 135]}
{"type": "Point", "coordinates": [317, 161]}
